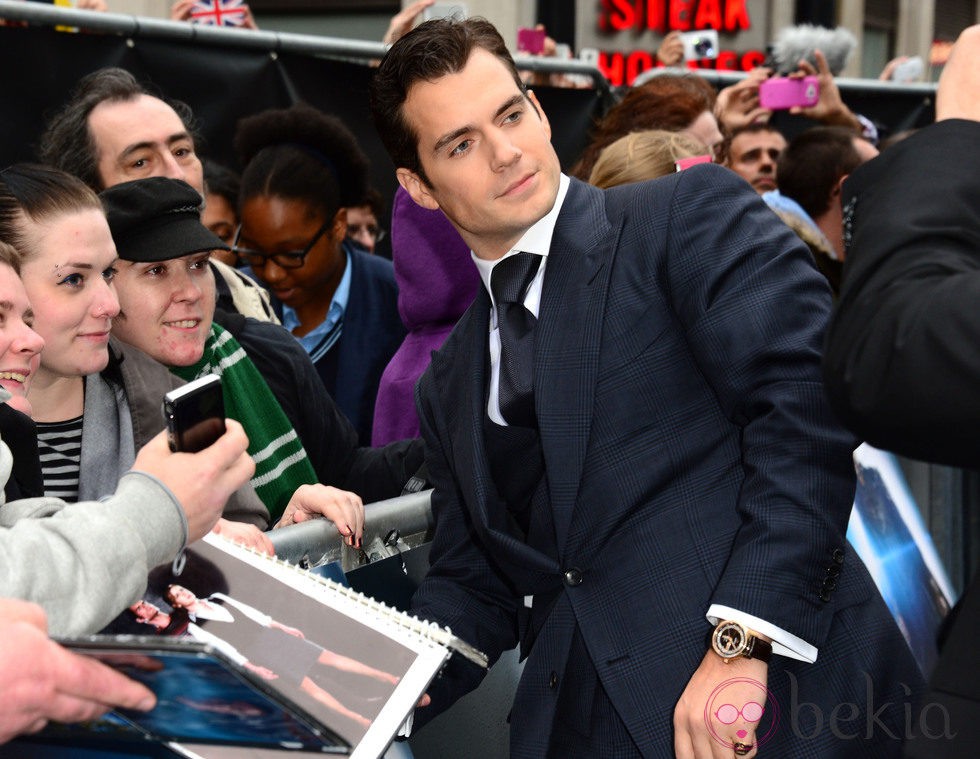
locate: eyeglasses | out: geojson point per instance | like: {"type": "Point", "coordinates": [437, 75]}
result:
{"type": "Point", "coordinates": [290, 259]}
{"type": "Point", "coordinates": [375, 233]}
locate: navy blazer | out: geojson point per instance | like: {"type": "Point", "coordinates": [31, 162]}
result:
{"type": "Point", "coordinates": [691, 459]}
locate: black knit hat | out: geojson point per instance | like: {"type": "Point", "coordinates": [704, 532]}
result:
{"type": "Point", "coordinates": [156, 219]}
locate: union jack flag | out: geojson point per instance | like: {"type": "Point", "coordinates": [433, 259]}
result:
{"type": "Point", "coordinates": [219, 12]}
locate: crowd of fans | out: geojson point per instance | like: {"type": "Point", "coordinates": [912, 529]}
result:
{"type": "Point", "coordinates": [266, 274]}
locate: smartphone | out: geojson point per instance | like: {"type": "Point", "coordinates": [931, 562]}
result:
{"type": "Point", "coordinates": [218, 13]}
{"type": "Point", "coordinates": [780, 92]}
{"type": "Point", "coordinates": [530, 40]}
{"type": "Point", "coordinates": [444, 10]}
{"type": "Point", "coordinates": [195, 414]}
{"type": "Point", "coordinates": [700, 45]}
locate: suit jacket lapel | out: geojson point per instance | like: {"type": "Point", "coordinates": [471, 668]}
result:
{"type": "Point", "coordinates": [567, 342]}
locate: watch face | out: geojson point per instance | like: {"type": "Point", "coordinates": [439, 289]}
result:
{"type": "Point", "coordinates": [729, 640]}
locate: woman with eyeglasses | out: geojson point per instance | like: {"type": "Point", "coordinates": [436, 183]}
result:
{"type": "Point", "coordinates": [302, 170]}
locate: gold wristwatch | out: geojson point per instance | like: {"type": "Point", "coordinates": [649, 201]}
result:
{"type": "Point", "coordinates": [730, 640]}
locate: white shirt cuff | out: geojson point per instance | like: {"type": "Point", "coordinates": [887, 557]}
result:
{"type": "Point", "coordinates": [783, 643]}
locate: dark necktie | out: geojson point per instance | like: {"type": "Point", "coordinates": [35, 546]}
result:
{"type": "Point", "coordinates": [509, 282]}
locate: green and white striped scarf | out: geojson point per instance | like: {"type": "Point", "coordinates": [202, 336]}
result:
{"type": "Point", "coordinates": [281, 463]}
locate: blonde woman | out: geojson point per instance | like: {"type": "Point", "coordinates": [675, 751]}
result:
{"type": "Point", "coordinates": [643, 155]}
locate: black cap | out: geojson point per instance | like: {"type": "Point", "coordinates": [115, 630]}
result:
{"type": "Point", "coordinates": [156, 219]}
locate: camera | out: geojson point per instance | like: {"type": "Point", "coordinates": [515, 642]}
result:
{"type": "Point", "coordinates": [700, 45]}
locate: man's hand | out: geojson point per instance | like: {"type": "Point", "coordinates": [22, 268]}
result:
{"type": "Point", "coordinates": [830, 109]}
{"type": "Point", "coordinates": [956, 97]}
{"type": "Point", "coordinates": [670, 52]}
{"type": "Point", "coordinates": [738, 104]}
{"type": "Point", "coordinates": [247, 535]}
{"type": "Point", "coordinates": [41, 681]}
{"type": "Point", "coordinates": [742, 682]}
{"type": "Point", "coordinates": [401, 23]}
{"type": "Point", "coordinates": [343, 508]}
{"type": "Point", "coordinates": [181, 10]}
{"type": "Point", "coordinates": [202, 481]}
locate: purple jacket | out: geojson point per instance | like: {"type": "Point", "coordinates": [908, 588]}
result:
{"type": "Point", "coordinates": [437, 282]}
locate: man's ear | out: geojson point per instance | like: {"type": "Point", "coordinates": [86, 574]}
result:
{"type": "Point", "coordinates": [544, 119]}
{"type": "Point", "coordinates": [417, 189]}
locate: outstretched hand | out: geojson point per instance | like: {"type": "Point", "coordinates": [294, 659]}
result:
{"type": "Point", "coordinates": [830, 108]}
{"type": "Point", "coordinates": [343, 508]}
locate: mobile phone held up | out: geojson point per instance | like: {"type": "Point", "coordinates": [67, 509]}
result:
{"type": "Point", "coordinates": [780, 92]}
{"type": "Point", "coordinates": [195, 414]}
{"type": "Point", "coordinates": [530, 40]}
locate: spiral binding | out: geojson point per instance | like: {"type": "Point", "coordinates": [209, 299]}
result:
{"type": "Point", "coordinates": [356, 603]}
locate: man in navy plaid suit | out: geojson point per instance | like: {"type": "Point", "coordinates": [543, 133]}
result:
{"type": "Point", "coordinates": [678, 468]}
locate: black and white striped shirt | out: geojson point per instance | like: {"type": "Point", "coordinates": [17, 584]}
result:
{"type": "Point", "coordinates": [60, 447]}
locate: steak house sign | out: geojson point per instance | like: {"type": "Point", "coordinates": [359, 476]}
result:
{"type": "Point", "coordinates": [663, 16]}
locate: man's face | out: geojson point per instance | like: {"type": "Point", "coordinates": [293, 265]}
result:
{"type": "Point", "coordinates": [143, 137]}
{"type": "Point", "coordinates": [362, 226]}
{"type": "Point", "coordinates": [753, 157]}
{"type": "Point", "coordinates": [486, 151]}
{"type": "Point", "coordinates": [166, 307]}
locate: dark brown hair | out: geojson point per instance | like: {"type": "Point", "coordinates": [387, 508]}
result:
{"type": "Point", "coordinates": [431, 51]}
{"type": "Point", "coordinates": [669, 101]}
{"type": "Point", "coordinates": [813, 162]}
{"type": "Point", "coordinates": [67, 141]}
{"type": "Point", "coordinates": [31, 192]}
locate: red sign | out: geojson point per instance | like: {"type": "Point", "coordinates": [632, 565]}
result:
{"type": "Point", "coordinates": [622, 68]}
{"type": "Point", "coordinates": [667, 15]}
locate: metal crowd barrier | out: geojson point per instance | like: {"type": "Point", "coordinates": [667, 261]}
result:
{"type": "Point", "coordinates": [392, 526]}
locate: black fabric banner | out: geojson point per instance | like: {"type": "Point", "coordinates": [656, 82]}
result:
{"type": "Point", "coordinates": [223, 84]}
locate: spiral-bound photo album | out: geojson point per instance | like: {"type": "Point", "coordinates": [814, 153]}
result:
{"type": "Point", "coordinates": [243, 649]}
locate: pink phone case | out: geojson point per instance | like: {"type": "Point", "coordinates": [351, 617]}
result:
{"type": "Point", "coordinates": [780, 93]}
{"type": "Point", "coordinates": [530, 40]}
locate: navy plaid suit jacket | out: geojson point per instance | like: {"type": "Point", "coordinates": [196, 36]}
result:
{"type": "Point", "coordinates": [690, 454]}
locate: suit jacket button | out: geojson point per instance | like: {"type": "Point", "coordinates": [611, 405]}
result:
{"type": "Point", "coordinates": [573, 577]}
{"type": "Point", "coordinates": [838, 555]}
{"type": "Point", "coordinates": [825, 595]}
{"type": "Point", "coordinates": [553, 681]}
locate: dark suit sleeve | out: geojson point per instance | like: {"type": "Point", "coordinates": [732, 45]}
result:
{"type": "Point", "coordinates": [462, 589]}
{"type": "Point", "coordinates": [754, 308]}
{"type": "Point", "coordinates": [329, 438]}
{"type": "Point", "coordinates": [902, 365]}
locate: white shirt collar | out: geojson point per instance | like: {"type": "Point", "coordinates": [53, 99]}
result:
{"type": "Point", "coordinates": [537, 239]}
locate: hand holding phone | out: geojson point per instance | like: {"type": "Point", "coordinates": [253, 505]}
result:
{"type": "Point", "coordinates": [195, 414]}
{"type": "Point", "coordinates": [780, 93]}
